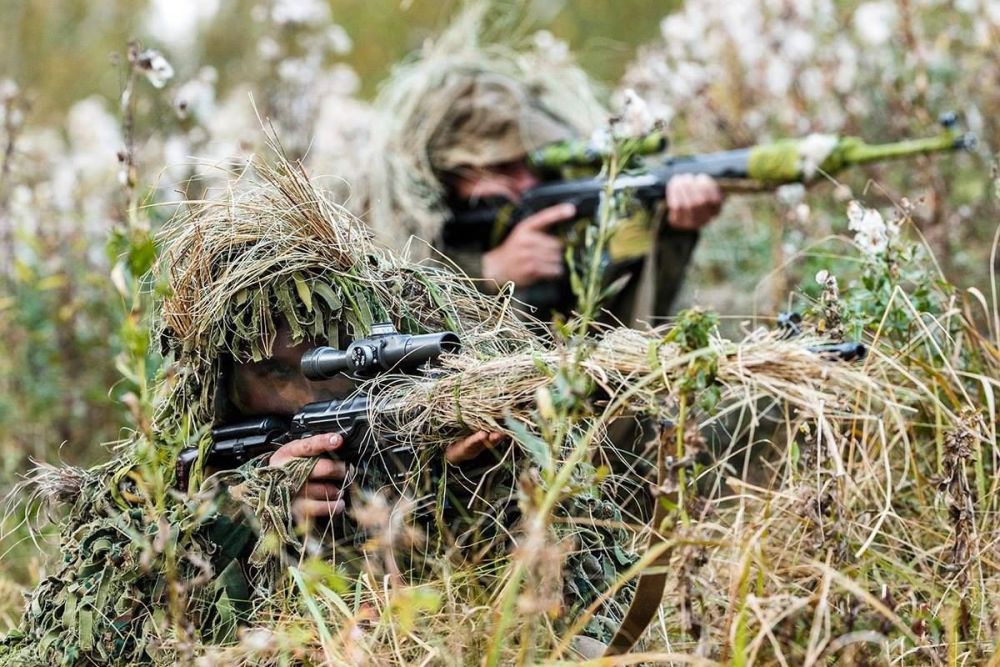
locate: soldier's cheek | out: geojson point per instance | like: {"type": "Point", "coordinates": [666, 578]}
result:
{"type": "Point", "coordinates": [288, 397]}
{"type": "Point", "coordinates": [336, 388]}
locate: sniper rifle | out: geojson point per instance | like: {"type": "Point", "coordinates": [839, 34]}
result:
{"type": "Point", "coordinates": [757, 168]}
{"type": "Point", "coordinates": [384, 350]}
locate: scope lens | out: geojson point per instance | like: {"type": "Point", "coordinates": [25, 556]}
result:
{"type": "Point", "coordinates": [450, 343]}
{"type": "Point", "coordinates": [322, 363]}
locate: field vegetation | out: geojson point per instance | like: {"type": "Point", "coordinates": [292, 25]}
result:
{"type": "Point", "coordinates": [818, 512]}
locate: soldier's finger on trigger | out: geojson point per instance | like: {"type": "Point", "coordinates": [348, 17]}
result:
{"type": "Point", "coordinates": [328, 469]}
{"type": "Point", "coordinates": [321, 491]}
{"type": "Point", "coordinates": [312, 446]}
{"type": "Point", "coordinates": [549, 216]}
{"type": "Point", "coordinates": [313, 508]}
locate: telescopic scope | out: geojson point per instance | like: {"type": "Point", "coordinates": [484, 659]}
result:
{"type": "Point", "coordinates": [383, 350]}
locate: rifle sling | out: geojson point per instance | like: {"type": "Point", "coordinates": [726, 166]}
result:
{"type": "Point", "coordinates": [652, 583]}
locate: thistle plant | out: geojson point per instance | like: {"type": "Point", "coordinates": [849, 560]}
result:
{"type": "Point", "coordinates": [131, 244]}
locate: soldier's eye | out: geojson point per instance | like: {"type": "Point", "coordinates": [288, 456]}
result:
{"type": "Point", "coordinates": [277, 370]}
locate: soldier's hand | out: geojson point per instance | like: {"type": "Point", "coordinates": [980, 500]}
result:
{"type": "Point", "coordinates": [692, 201]}
{"type": "Point", "coordinates": [469, 448]}
{"type": "Point", "coordinates": [529, 254]}
{"type": "Point", "coordinates": [320, 496]}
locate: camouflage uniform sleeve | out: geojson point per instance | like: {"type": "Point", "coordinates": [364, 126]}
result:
{"type": "Point", "coordinates": [109, 599]}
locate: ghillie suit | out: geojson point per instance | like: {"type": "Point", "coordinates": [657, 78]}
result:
{"type": "Point", "coordinates": [149, 574]}
{"type": "Point", "coordinates": [468, 100]}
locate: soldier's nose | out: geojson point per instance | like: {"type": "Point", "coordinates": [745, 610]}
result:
{"type": "Point", "coordinates": [524, 180]}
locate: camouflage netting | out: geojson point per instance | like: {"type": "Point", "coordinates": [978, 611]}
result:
{"type": "Point", "coordinates": [284, 252]}
{"type": "Point", "coordinates": [467, 99]}
{"type": "Point", "coordinates": [141, 562]}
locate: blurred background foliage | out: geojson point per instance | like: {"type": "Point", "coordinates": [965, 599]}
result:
{"type": "Point", "coordinates": [58, 49]}
{"type": "Point", "coordinates": [723, 74]}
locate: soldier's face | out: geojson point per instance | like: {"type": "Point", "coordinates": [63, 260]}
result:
{"type": "Point", "coordinates": [276, 386]}
{"type": "Point", "coordinates": [506, 179]}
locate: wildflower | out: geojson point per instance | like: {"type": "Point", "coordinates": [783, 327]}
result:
{"type": "Point", "coordinates": [299, 71]}
{"type": "Point", "coordinates": [197, 97]}
{"type": "Point", "coordinates": [813, 151]}
{"type": "Point", "coordinates": [94, 138]}
{"type": "Point", "coordinates": [302, 12]}
{"type": "Point", "coordinates": [791, 194]}
{"type": "Point", "coordinates": [178, 23]}
{"type": "Point", "coordinates": [554, 50]}
{"type": "Point", "coordinates": [153, 65]}
{"type": "Point", "coordinates": [268, 48]}
{"type": "Point", "coordinates": [802, 213]}
{"type": "Point", "coordinates": [874, 22]}
{"type": "Point", "coordinates": [11, 112]}
{"type": "Point", "coordinates": [635, 119]}
{"type": "Point", "coordinates": [778, 77]}
{"type": "Point", "coordinates": [338, 39]}
{"type": "Point", "coordinates": [8, 90]}
{"type": "Point", "coordinates": [872, 233]}
{"type": "Point", "coordinates": [798, 45]}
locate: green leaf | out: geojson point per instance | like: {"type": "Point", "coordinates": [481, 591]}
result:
{"type": "Point", "coordinates": [537, 448]}
{"type": "Point", "coordinates": [615, 287]}
{"type": "Point", "coordinates": [287, 307]}
{"type": "Point", "coordinates": [303, 289]}
{"type": "Point", "coordinates": [325, 292]}
{"type": "Point", "coordinates": [141, 253]}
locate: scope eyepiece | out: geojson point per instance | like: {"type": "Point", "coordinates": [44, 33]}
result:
{"type": "Point", "coordinates": [322, 363]}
